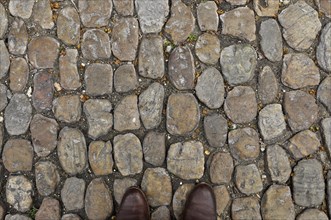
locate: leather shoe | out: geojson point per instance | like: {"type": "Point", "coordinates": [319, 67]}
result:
{"type": "Point", "coordinates": [134, 206]}
{"type": "Point", "coordinates": [200, 204]}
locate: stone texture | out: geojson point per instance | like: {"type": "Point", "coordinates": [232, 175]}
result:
{"type": "Point", "coordinates": [181, 68]}
{"type": "Point", "coordinates": [240, 104]}
{"type": "Point", "coordinates": [329, 190]}
{"type": "Point", "coordinates": [49, 209]}
{"type": "Point", "coordinates": [21, 9]}
{"type": "Point", "coordinates": [151, 57]}
{"type": "Point", "coordinates": [303, 144]}
{"type": "Point", "coordinates": [237, 2]}
{"type": "Point", "coordinates": [154, 148]}
{"type": "Point", "coordinates": [42, 95]}
{"type": "Point", "coordinates": [125, 78]}
{"type": "Point", "coordinates": [208, 48]}
{"type": "Point", "coordinates": [1, 136]}
{"type": "Point", "coordinates": [239, 22]}
{"type": "Point", "coordinates": [183, 114]}
{"type": "Point", "coordinates": [300, 25]}
{"type": "Point", "coordinates": [18, 114]}
{"type": "Point", "coordinates": [277, 203]}
{"type": "Point", "coordinates": [299, 71]}
{"type": "Point", "coordinates": [17, 37]}
{"type": "Point", "coordinates": [152, 14]}
{"type": "Point", "coordinates": [221, 168]}
{"type": "Point", "coordinates": [99, 118]}
{"type": "Point", "coordinates": [309, 214]}
{"type": "Point", "coordinates": [238, 63]}
{"type": "Point", "coordinates": [68, 25]}
{"type": "Point", "coordinates": [301, 110]}
{"type": "Point", "coordinates": [186, 160]}
{"type": "Point", "coordinates": [42, 14]}
{"type": "Point", "coordinates": [246, 208]}
{"type": "Point", "coordinates": [271, 40]}
{"type": "Point", "coordinates": [324, 6]}
{"type": "Point", "coordinates": [17, 155]}
{"type": "Point", "coordinates": [125, 38]}
{"type": "Point", "coordinates": [308, 183]}
{"type": "Point", "coordinates": [156, 184]}
{"type": "Point", "coordinates": [244, 144]}
{"type": "Point", "coordinates": [222, 198]}
{"type": "Point", "coordinates": [70, 217]}
{"type": "Point", "coordinates": [72, 151]}
{"type": "Point", "coordinates": [3, 96]}
{"type": "Point", "coordinates": [151, 105]}
{"type": "Point", "coordinates": [3, 21]}
{"type": "Point", "coordinates": [179, 199]}
{"type": "Point", "coordinates": [96, 44]}
{"type": "Point", "coordinates": [124, 7]}
{"type": "Point", "coordinates": [128, 154]}
{"type": "Point", "coordinates": [262, 9]}
{"type": "Point", "coordinates": [323, 49]}
{"type": "Point", "coordinates": [67, 108]}
{"type": "Point", "coordinates": [161, 213]}
{"type": "Point", "coordinates": [19, 193]}
{"type": "Point", "coordinates": [5, 61]}
{"type": "Point", "coordinates": [100, 157]}
{"type": "Point", "coordinates": [324, 93]}
{"type": "Point", "coordinates": [326, 128]}
{"type": "Point", "coordinates": [120, 187]}
{"type": "Point", "coordinates": [267, 86]}
{"type": "Point", "coordinates": [95, 15]}
{"type": "Point", "coordinates": [93, 74]}
{"type": "Point", "coordinates": [181, 22]}
{"type": "Point", "coordinates": [216, 129]}
{"type": "Point", "coordinates": [278, 164]}
{"type": "Point", "coordinates": [47, 177]}
{"type": "Point", "coordinates": [18, 75]}
{"type": "Point", "coordinates": [17, 217]}
{"type": "Point", "coordinates": [72, 193]}
{"type": "Point", "coordinates": [126, 114]}
{"type": "Point", "coordinates": [69, 76]}
{"type": "Point", "coordinates": [98, 200]}
{"type": "Point", "coordinates": [207, 16]}
{"type": "Point", "coordinates": [248, 179]}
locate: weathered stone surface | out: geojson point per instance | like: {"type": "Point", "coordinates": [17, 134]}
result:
{"type": "Point", "coordinates": [271, 40]}
{"type": "Point", "coordinates": [237, 2]}
{"type": "Point", "coordinates": [183, 114]}
{"type": "Point", "coordinates": [181, 22]}
{"type": "Point", "coordinates": [208, 48]}
{"type": "Point", "coordinates": [262, 9]}
{"type": "Point", "coordinates": [72, 193]}
{"type": "Point", "coordinates": [125, 38]}
{"type": "Point", "coordinates": [17, 37]}
{"type": "Point", "coordinates": [248, 179]}
{"type": "Point", "coordinates": [126, 114]}
{"type": "Point", "coordinates": [151, 105]}
{"type": "Point", "coordinates": [303, 144]}
{"type": "Point", "coordinates": [221, 168]}
{"type": "Point", "coordinates": [43, 52]}
{"type": "Point", "coordinates": [181, 68]}
{"type": "Point", "coordinates": [17, 155]}
{"type": "Point", "coordinates": [238, 63]}
{"type": "Point", "coordinates": [324, 47]}
{"type": "Point", "coordinates": [3, 21]}
{"type": "Point", "coordinates": [93, 74]}
{"type": "Point", "coordinates": [207, 16]}
{"type": "Point", "coordinates": [309, 214]}
{"type": "Point", "coordinates": [222, 198]}
{"type": "Point", "coordinates": [277, 203]}
{"type": "Point", "coordinates": [239, 22]}
{"type": "Point", "coordinates": [125, 78]}
{"type": "Point", "coordinates": [1, 136]}
{"type": "Point", "coordinates": [2, 210]}
{"type": "Point", "coordinates": [69, 76]}
{"type": "Point", "coordinates": [244, 144]}
{"type": "Point", "coordinates": [17, 217]}
{"type": "Point", "coordinates": [96, 44]}
{"type": "Point", "coordinates": [154, 148]}
{"type": "Point", "coordinates": [120, 187]}
{"type": "Point", "coordinates": [278, 164]}
{"type": "Point", "coordinates": [124, 7]}
{"type": "Point", "coordinates": [300, 25]}
{"type": "Point", "coordinates": [156, 184]}
{"type": "Point", "coordinates": [245, 208]}
{"type": "Point", "coordinates": [186, 160]}
{"type": "Point", "coordinates": [5, 61]}
{"type": "Point", "coordinates": [151, 58]}
{"type": "Point", "coordinates": [67, 108]}
{"type": "Point", "coordinates": [3, 96]}
{"type": "Point", "coordinates": [299, 71]}
{"type": "Point", "coordinates": [161, 213]}
{"type": "Point", "coordinates": [326, 127]}
{"type": "Point", "coordinates": [42, 14]}
{"type": "Point", "coordinates": [100, 157]}
{"type": "Point", "coordinates": [47, 177]}
{"type": "Point", "coordinates": [128, 154]}
{"type": "Point", "coordinates": [308, 183]}
{"type": "Point", "coordinates": [19, 193]}
{"type": "Point", "coordinates": [68, 25]}
{"type": "Point", "coordinates": [98, 200]}
{"type": "Point", "coordinates": [324, 93]}
{"type": "Point", "coordinates": [272, 122]}
{"type": "Point", "coordinates": [18, 114]}
{"type": "Point", "coordinates": [19, 74]}
{"type": "Point", "coordinates": [329, 189]}
{"type": "Point", "coordinates": [21, 9]}
{"type": "Point", "coordinates": [70, 217]}
{"type": "Point", "coordinates": [301, 109]}
{"type": "Point", "coordinates": [99, 118]}
{"type": "Point", "coordinates": [267, 85]}
{"type": "Point", "coordinates": [179, 199]}
{"type": "Point", "coordinates": [240, 104]}
{"type": "Point", "coordinates": [216, 129]}
{"type": "Point", "coordinates": [42, 95]}
{"type": "Point", "coordinates": [324, 6]}
{"type": "Point", "coordinates": [95, 15]}
{"type": "Point", "coordinates": [49, 209]}
{"type": "Point", "coordinates": [71, 150]}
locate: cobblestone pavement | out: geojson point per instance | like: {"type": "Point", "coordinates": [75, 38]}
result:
{"type": "Point", "coordinates": [100, 95]}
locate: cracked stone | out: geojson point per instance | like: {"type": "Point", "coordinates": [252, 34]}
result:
{"type": "Point", "coordinates": [269, 10]}
{"type": "Point", "coordinates": [95, 15]}
{"type": "Point", "coordinates": [3, 21]}
{"type": "Point", "coordinates": [267, 86]}
{"type": "Point", "coordinates": [120, 187]}
{"type": "Point", "coordinates": [216, 129]}
{"type": "Point", "coordinates": [68, 25]}
{"type": "Point", "coordinates": [49, 209]}
{"type": "Point", "coordinates": [222, 198]}
{"type": "Point", "coordinates": [21, 9]}
{"type": "Point", "coordinates": [69, 76]}
{"type": "Point", "coordinates": [126, 114]}
{"type": "Point", "coordinates": [271, 40]}
{"type": "Point", "coordinates": [3, 96]}
{"type": "Point", "coordinates": [42, 95]}
{"type": "Point", "coordinates": [278, 164]}
{"type": "Point", "coordinates": [100, 157]}
{"type": "Point", "coordinates": [19, 74]}
{"type": "Point", "coordinates": [326, 128]}
{"type": "Point", "coordinates": [19, 193]}
{"type": "Point", "coordinates": [5, 61]}
{"type": "Point", "coordinates": [179, 199]}
{"type": "Point", "coordinates": [72, 193]}
{"type": "Point", "coordinates": [47, 177]}
{"type": "Point", "coordinates": [95, 44]}
{"type": "Point", "coordinates": [322, 52]}
{"type": "Point", "coordinates": [17, 37]}
{"type": "Point", "coordinates": [125, 78]}
{"type": "Point", "coordinates": [324, 93]}
{"type": "Point", "coordinates": [154, 148]}
{"type": "Point", "coordinates": [303, 144]}
{"type": "Point", "coordinates": [93, 74]}
{"type": "Point", "coordinates": [309, 214]}
{"type": "Point", "coordinates": [207, 16]}
{"type": "Point", "coordinates": [246, 208]}
{"type": "Point", "coordinates": [67, 108]}
{"type": "Point", "coordinates": [124, 7]}
{"type": "Point", "coordinates": [208, 48]}
{"type": "Point", "coordinates": [42, 14]}
{"type": "Point", "coordinates": [161, 213]}
{"type": "Point", "coordinates": [221, 168]}
{"type": "Point", "coordinates": [248, 179]}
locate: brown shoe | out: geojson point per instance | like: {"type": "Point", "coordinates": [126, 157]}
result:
{"type": "Point", "coordinates": [200, 204]}
{"type": "Point", "coordinates": [134, 206]}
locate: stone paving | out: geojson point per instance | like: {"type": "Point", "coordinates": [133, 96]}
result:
{"type": "Point", "coordinates": [100, 95]}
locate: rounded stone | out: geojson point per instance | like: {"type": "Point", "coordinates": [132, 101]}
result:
{"type": "Point", "coordinates": [100, 157]}
{"type": "Point", "coordinates": [207, 16]}
{"type": "Point", "coordinates": [5, 61]}
{"type": "Point", "coordinates": [270, 9]}
{"type": "Point", "coordinates": [179, 199]}
{"type": "Point", "coordinates": [208, 48]}
{"type": "Point", "coordinates": [124, 7]}
{"type": "Point", "coordinates": [72, 193]}
{"type": "Point", "coordinates": [278, 164]}
{"type": "Point", "coordinates": [267, 86]}
{"type": "Point", "coordinates": [154, 148]}
{"type": "Point", "coordinates": [42, 14]}
{"type": "Point", "coordinates": [3, 21]}
{"type": "Point", "coordinates": [323, 49]}
{"type": "Point", "coordinates": [324, 93]}
{"type": "Point", "coordinates": [126, 114]}
{"type": "Point", "coordinates": [19, 193]}
{"type": "Point", "coordinates": [125, 78]}
{"type": "Point", "coordinates": [95, 45]}
{"type": "Point", "coordinates": [19, 74]}
{"type": "Point", "coordinates": [120, 187]}
{"type": "Point", "coordinates": [69, 76]}
{"type": "Point", "coordinates": [309, 214]}
{"type": "Point", "coordinates": [3, 96]}
{"type": "Point", "coordinates": [221, 168]}
{"type": "Point", "coordinates": [161, 213]}
{"type": "Point", "coordinates": [70, 217]}
{"type": "Point", "coordinates": [216, 130]}
{"type": "Point", "coordinates": [95, 15]}
{"type": "Point", "coordinates": [246, 208]}
{"type": "Point", "coordinates": [21, 9]}
{"type": "Point", "coordinates": [68, 25]}
{"type": "Point", "coordinates": [49, 209]}
{"type": "Point", "coordinates": [303, 144]}
{"type": "Point", "coordinates": [222, 198]}
{"type": "Point", "coordinates": [248, 179]}
{"type": "Point", "coordinates": [93, 74]}
{"type": "Point", "coordinates": [47, 177]}
{"type": "Point", "coordinates": [17, 37]}
{"type": "Point", "coordinates": [67, 108]}
{"type": "Point", "coordinates": [42, 95]}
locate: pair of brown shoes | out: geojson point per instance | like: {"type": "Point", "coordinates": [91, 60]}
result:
{"type": "Point", "coordinates": [200, 205]}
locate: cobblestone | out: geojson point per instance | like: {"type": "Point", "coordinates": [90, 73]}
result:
{"type": "Point", "coordinates": [17, 37]}
{"type": "Point", "coordinates": [246, 208]}
{"type": "Point", "coordinates": [19, 74]}
{"type": "Point", "coordinates": [72, 193]}
{"type": "Point", "coordinates": [47, 177]}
